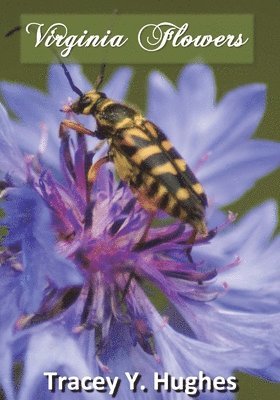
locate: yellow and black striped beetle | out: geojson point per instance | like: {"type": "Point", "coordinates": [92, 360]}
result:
{"type": "Point", "coordinates": [143, 157]}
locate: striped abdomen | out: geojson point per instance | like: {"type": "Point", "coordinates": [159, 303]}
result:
{"type": "Point", "coordinates": [146, 159]}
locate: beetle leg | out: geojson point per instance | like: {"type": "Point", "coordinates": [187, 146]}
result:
{"type": "Point", "coordinates": [142, 240]}
{"type": "Point", "coordinates": [94, 169]}
{"type": "Point", "coordinates": [190, 243]}
{"type": "Point", "coordinates": [149, 206]}
{"type": "Point", "coordinates": [67, 124]}
{"type": "Point", "coordinates": [147, 228]}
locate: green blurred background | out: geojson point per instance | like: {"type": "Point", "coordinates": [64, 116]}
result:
{"type": "Point", "coordinates": [265, 69]}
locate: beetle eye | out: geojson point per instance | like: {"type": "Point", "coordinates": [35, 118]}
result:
{"type": "Point", "coordinates": [85, 101]}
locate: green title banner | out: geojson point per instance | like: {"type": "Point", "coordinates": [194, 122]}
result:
{"type": "Point", "coordinates": [137, 38]}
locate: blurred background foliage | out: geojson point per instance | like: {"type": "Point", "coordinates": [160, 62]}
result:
{"type": "Point", "coordinates": [264, 69]}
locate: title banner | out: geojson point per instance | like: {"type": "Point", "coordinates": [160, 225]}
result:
{"type": "Point", "coordinates": [137, 38]}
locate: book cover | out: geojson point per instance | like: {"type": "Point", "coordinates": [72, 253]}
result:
{"type": "Point", "coordinates": [139, 170]}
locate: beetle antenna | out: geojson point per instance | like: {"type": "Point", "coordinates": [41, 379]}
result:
{"type": "Point", "coordinates": [66, 72]}
{"type": "Point", "coordinates": [100, 77]}
{"type": "Point", "coordinates": [70, 80]}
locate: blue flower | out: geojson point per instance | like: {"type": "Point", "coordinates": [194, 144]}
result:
{"type": "Point", "coordinates": [77, 280]}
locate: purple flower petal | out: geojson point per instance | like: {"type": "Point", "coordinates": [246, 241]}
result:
{"type": "Point", "coordinates": [117, 86]}
{"type": "Point", "coordinates": [123, 357]}
{"type": "Point", "coordinates": [251, 234]}
{"type": "Point", "coordinates": [19, 99]}
{"type": "Point", "coordinates": [11, 159]}
{"type": "Point", "coordinates": [174, 348]}
{"type": "Point", "coordinates": [238, 169]}
{"type": "Point", "coordinates": [37, 362]}
{"type": "Point", "coordinates": [10, 293]}
{"type": "Point", "coordinates": [23, 208]}
{"type": "Point", "coordinates": [237, 116]}
{"type": "Point", "coordinates": [271, 373]}
{"type": "Point", "coordinates": [43, 266]}
{"type": "Point", "coordinates": [162, 98]}
{"type": "Point", "coordinates": [196, 95]}
{"type": "Point", "coordinates": [259, 280]}
{"type": "Point", "coordinates": [28, 222]}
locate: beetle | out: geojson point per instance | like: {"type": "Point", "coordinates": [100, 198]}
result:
{"type": "Point", "coordinates": [143, 157]}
